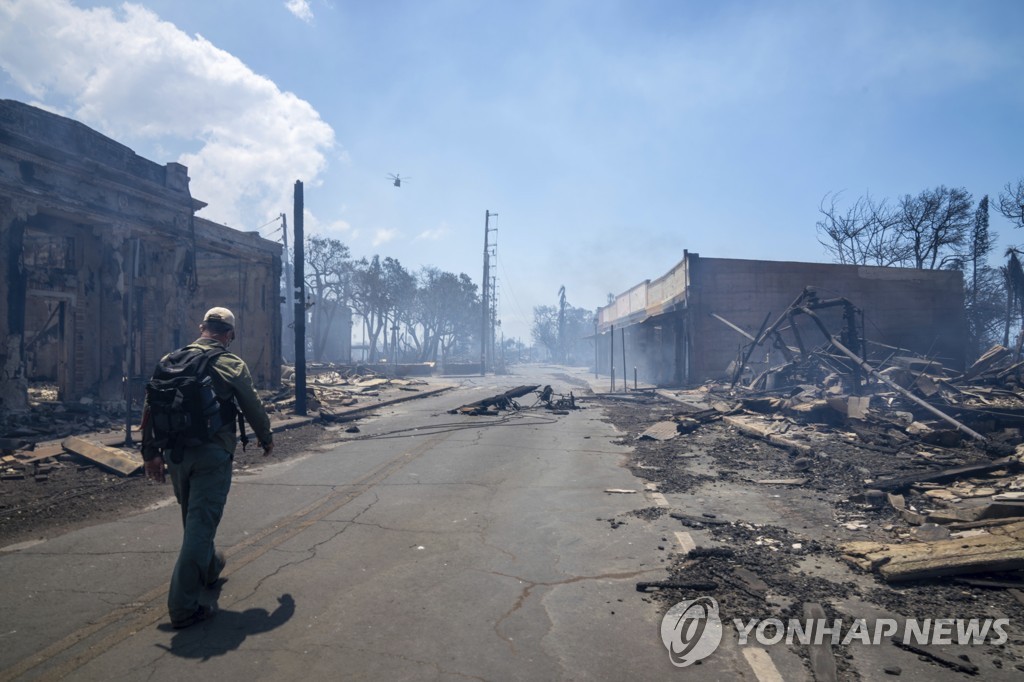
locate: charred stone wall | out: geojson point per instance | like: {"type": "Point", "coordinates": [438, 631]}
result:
{"type": "Point", "coordinates": [105, 267]}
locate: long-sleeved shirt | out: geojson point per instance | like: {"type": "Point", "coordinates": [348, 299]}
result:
{"type": "Point", "coordinates": [236, 383]}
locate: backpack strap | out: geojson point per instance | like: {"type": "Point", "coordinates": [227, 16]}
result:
{"type": "Point", "coordinates": [210, 354]}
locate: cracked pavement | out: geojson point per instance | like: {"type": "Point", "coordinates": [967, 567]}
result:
{"type": "Point", "coordinates": [427, 547]}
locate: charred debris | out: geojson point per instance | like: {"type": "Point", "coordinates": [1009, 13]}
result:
{"type": "Point", "coordinates": [546, 398]}
{"type": "Point", "coordinates": [893, 401]}
{"type": "Point", "coordinates": [959, 433]}
{"type": "Point", "coordinates": [52, 433]}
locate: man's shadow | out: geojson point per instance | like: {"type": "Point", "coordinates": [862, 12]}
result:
{"type": "Point", "coordinates": [226, 630]}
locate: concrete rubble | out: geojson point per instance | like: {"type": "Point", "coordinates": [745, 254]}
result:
{"type": "Point", "coordinates": [961, 433]}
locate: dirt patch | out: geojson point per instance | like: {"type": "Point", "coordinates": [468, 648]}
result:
{"type": "Point", "coordinates": [77, 494]}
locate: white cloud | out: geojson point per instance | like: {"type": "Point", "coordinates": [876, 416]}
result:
{"type": "Point", "coordinates": [337, 229]}
{"type": "Point", "coordinates": [433, 235]}
{"type": "Point", "coordinates": [384, 235]}
{"type": "Point", "coordinates": [151, 86]}
{"type": "Point", "coordinates": [301, 9]}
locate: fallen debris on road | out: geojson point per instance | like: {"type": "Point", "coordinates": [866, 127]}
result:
{"type": "Point", "coordinates": [491, 406]}
{"type": "Point", "coordinates": [118, 460]}
{"type": "Point", "coordinates": [1000, 548]}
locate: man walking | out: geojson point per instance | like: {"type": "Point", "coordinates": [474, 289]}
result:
{"type": "Point", "coordinates": [200, 468]}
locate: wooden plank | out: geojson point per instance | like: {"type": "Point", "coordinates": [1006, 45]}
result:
{"type": "Point", "coordinates": [1000, 550]}
{"type": "Point", "coordinates": [988, 555]}
{"type": "Point", "coordinates": [782, 481]}
{"type": "Point", "coordinates": [367, 383]}
{"type": "Point", "coordinates": [991, 511]}
{"type": "Point", "coordinates": [955, 515]}
{"type": "Point", "coordinates": [823, 663]}
{"type": "Point", "coordinates": [1002, 510]}
{"type": "Point", "coordinates": [894, 484]}
{"type": "Point", "coordinates": [661, 431]}
{"type": "Point", "coordinates": [968, 525]}
{"type": "Point", "coordinates": [124, 462]}
{"type": "Point", "coordinates": [751, 427]}
{"type": "Point", "coordinates": [41, 451]}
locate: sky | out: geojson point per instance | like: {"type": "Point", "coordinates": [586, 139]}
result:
{"type": "Point", "coordinates": [608, 136]}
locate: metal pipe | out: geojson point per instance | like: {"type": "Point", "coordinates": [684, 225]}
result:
{"type": "Point", "coordinates": [611, 355]}
{"type": "Point", "coordinates": [750, 350]}
{"type": "Point", "coordinates": [625, 385]}
{"type": "Point", "coordinates": [734, 327]}
{"type": "Point", "coordinates": [907, 394]}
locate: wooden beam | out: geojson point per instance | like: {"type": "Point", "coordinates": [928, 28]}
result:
{"type": "Point", "coordinates": [661, 431]}
{"type": "Point", "coordinates": [1002, 549]}
{"type": "Point", "coordinates": [123, 462]}
{"type": "Point", "coordinates": [893, 484]}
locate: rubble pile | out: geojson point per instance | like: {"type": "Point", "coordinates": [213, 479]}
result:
{"type": "Point", "coordinates": [49, 418]}
{"type": "Point", "coordinates": [33, 442]}
{"type": "Point", "coordinates": [959, 434]}
{"type": "Point", "coordinates": [330, 386]}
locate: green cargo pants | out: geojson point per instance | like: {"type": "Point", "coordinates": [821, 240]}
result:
{"type": "Point", "coordinates": [201, 483]}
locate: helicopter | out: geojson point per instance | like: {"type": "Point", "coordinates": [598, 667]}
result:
{"type": "Point", "coordinates": [397, 181]}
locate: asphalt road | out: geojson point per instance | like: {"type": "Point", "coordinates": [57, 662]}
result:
{"type": "Point", "coordinates": [429, 546]}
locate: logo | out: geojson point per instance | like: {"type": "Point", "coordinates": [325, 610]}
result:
{"type": "Point", "coordinates": [691, 631]}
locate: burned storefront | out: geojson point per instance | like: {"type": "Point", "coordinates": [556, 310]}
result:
{"type": "Point", "coordinates": [105, 265]}
{"type": "Point", "coordinates": [719, 318]}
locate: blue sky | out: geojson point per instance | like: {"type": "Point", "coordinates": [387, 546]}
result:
{"type": "Point", "coordinates": [608, 136]}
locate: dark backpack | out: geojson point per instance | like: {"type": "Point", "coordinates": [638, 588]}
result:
{"type": "Point", "coordinates": [184, 411]}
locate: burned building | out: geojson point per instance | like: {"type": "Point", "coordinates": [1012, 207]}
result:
{"type": "Point", "coordinates": [699, 319]}
{"type": "Point", "coordinates": [105, 265]}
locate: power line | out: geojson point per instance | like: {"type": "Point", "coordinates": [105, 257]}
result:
{"type": "Point", "coordinates": [276, 219]}
{"type": "Point", "coordinates": [515, 300]}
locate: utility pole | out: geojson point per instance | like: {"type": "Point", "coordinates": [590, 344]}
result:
{"type": "Point", "coordinates": [485, 285]}
{"type": "Point", "coordinates": [495, 322]}
{"type": "Point", "coordinates": [289, 291]}
{"type": "Point", "coordinates": [133, 272]}
{"type": "Point", "coordinates": [300, 305]}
